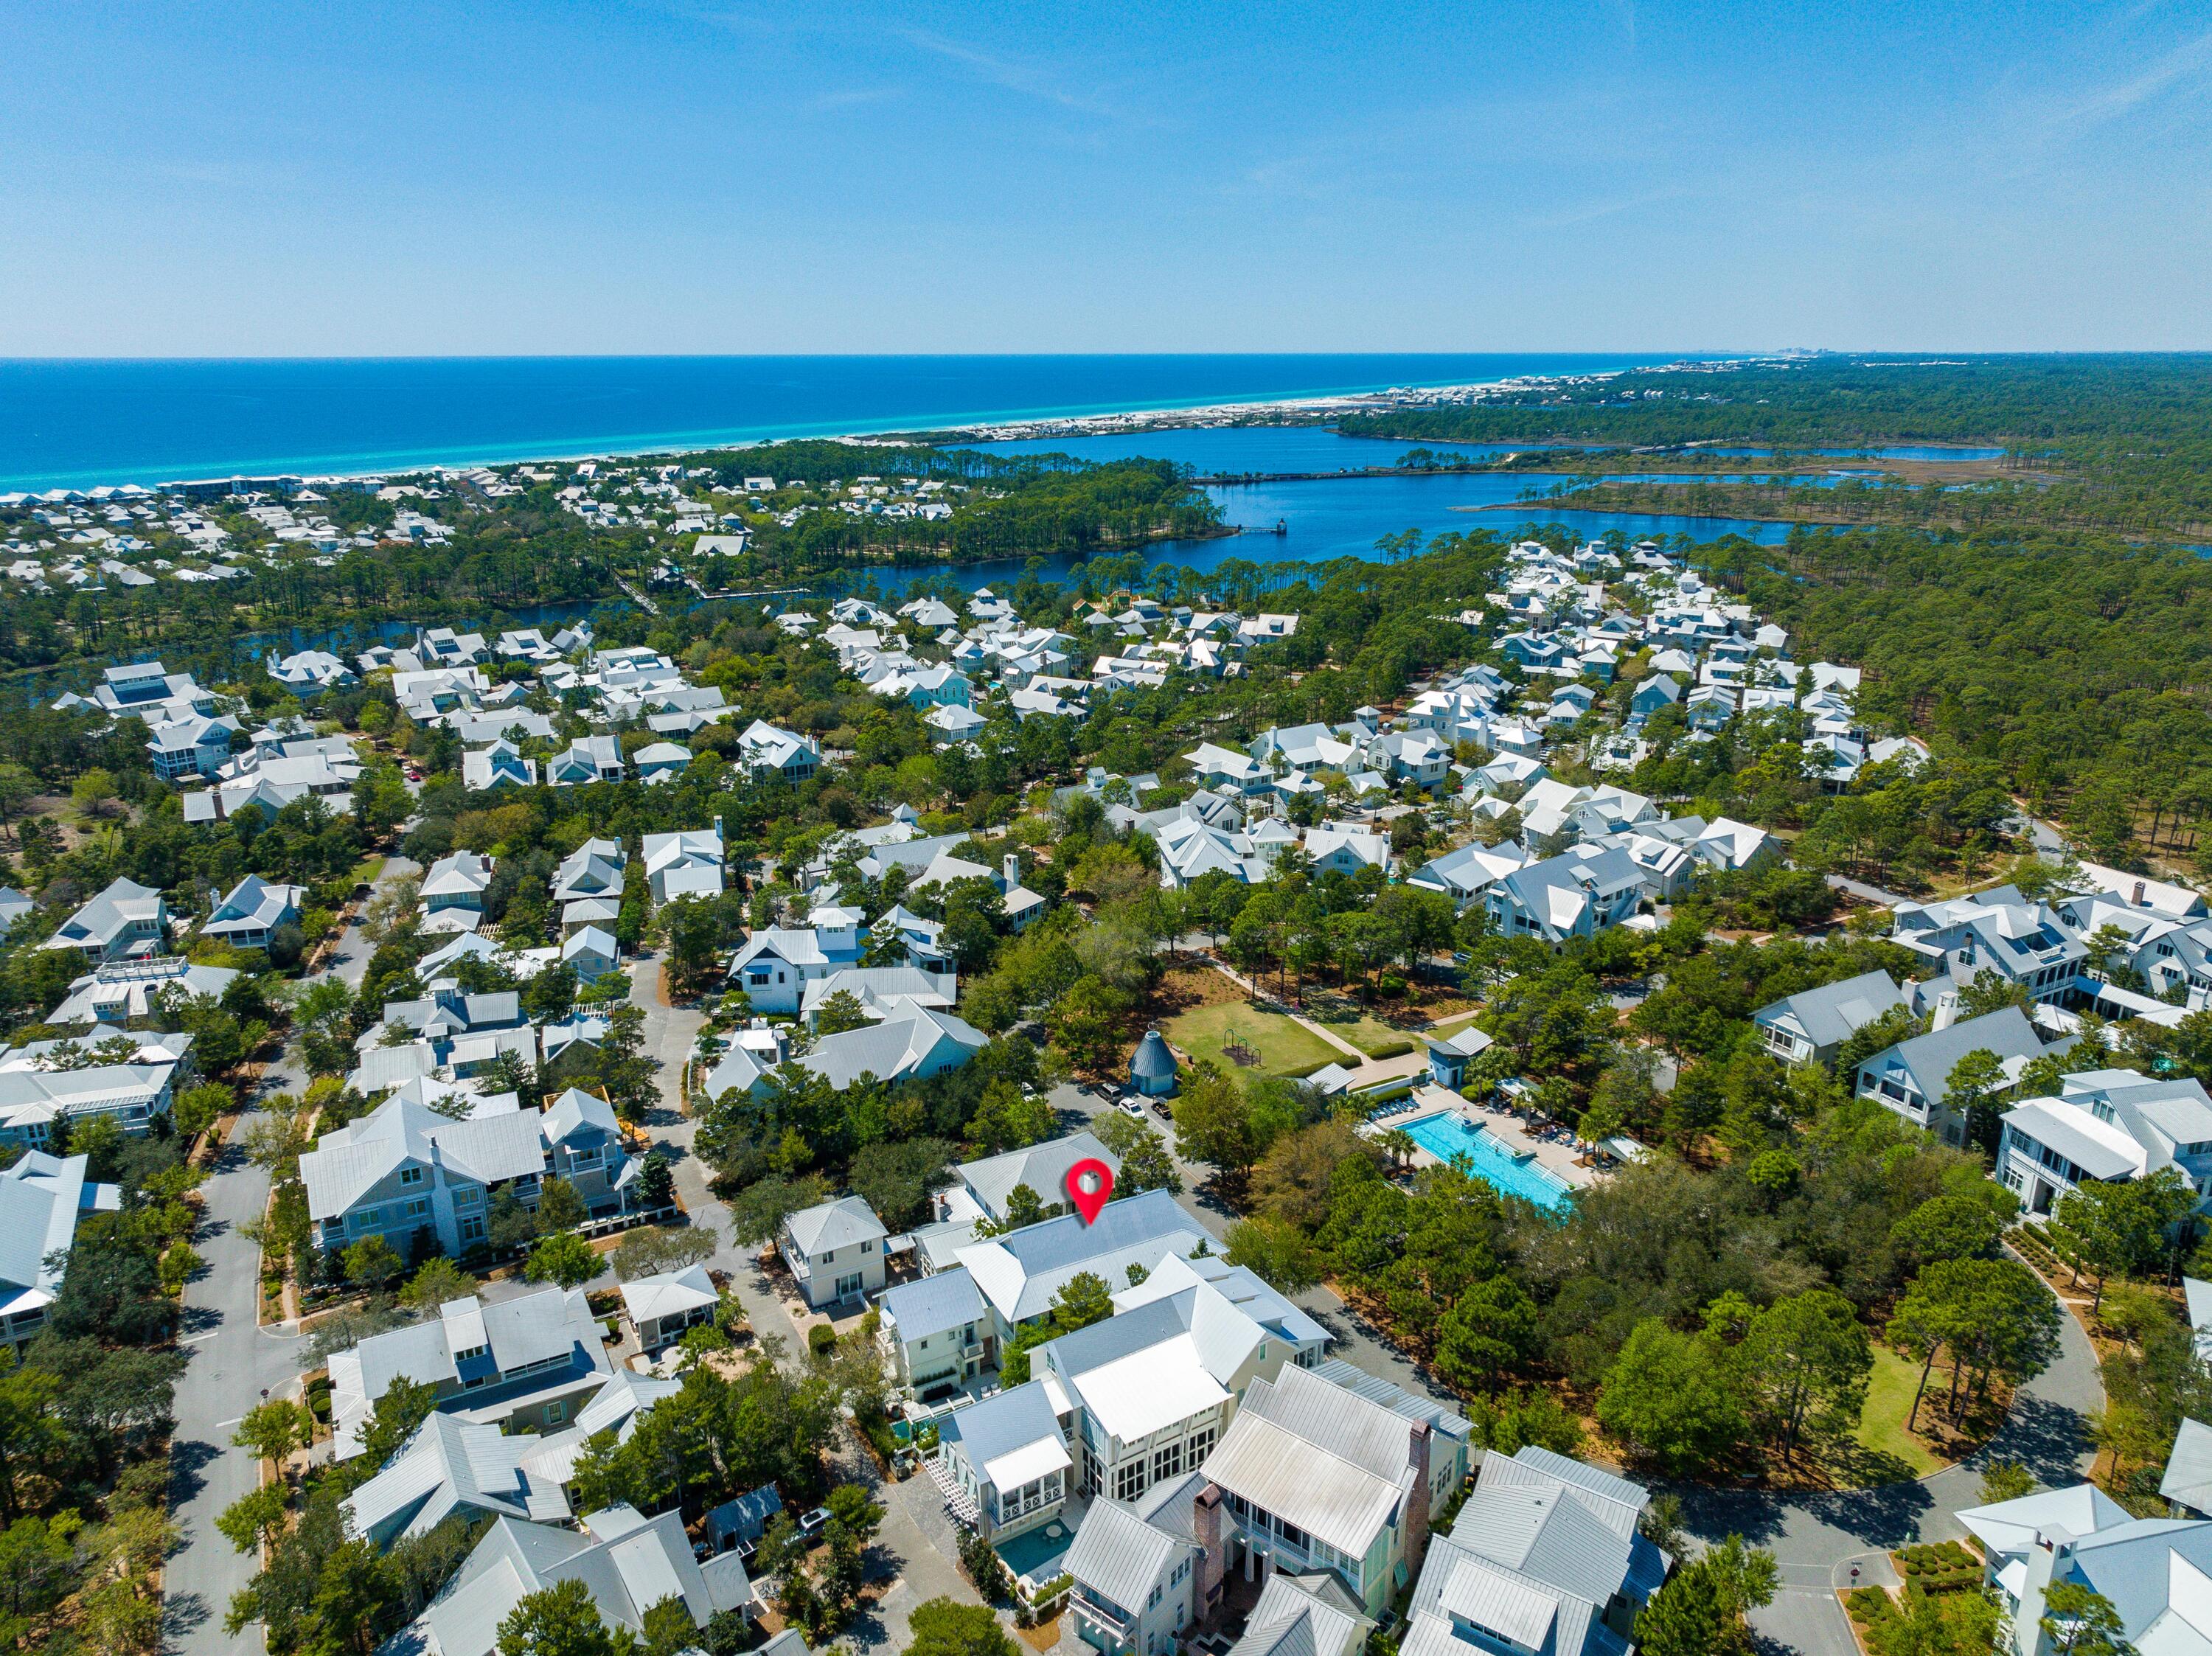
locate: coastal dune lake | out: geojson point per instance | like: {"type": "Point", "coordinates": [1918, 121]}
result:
{"type": "Point", "coordinates": [1331, 517]}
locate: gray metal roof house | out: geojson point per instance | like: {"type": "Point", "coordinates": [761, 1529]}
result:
{"type": "Point", "coordinates": [1808, 1026]}
{"type": "Point", "coordinates": [986, 1184]}
{"type": "Point", "coordinates": [1019, 1273]}
{"type": "Point", "coordinates": [627, 1562]}
{"type": "Point", "coordinates": [1913, 1076]}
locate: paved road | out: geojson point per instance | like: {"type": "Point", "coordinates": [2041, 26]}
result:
{"type": "Point", "coordinates": [1815, 1539]}
{"type": "Point", "coordinates": [234, 1364]}
{"type": "Point", "coordinates": [915, 1549]}
{"type": "Point", "coordinates": [671, 1033]}
{"type": "Point", "coordinates": [2050, 844]}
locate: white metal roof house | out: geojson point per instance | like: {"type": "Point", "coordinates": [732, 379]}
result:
{"type": "Point", "coordinates": [1335, 848]}
{"type": "Point", "coordinates": [146, 689]}
{"type": "Point", "coordinates": [1317, 1478]}
{"type": "Point", "coordinates": [124, 919]}
{"type": "Point", "coordinates": [1544, 1555]}
{"type": "Point", "coordinates": [1020, 1272]}
{"type": "Point", "coordinates": [662, 1306]}
{"type": "Point", "coordinates": [774, 964]}
{"type": "Point", "coordinates": [766, 750]}
{"type": "Point", "coordinates": [880, 991]}
{"type": "Point", "coordinates": [586, 760]}
{"type": "Point", "coordinates": [2111, 1125]}
{"type": "Point", "coordinates": [405, 1167]}
{"type": "Point", "coordinates": [592, 951]}
{"type": "Point", "coordinates": [1998, 931]}
{"type": "Point", "coordinates": [1008, 1455]}
{"type": "Point", "coordinates": [687, 864]}
{"type": "Point", "coordinates": [193, 745]}
{"type": "Point", "coordinates": [311, 670]}
{"type": "Point", "coordinates": [2156, 1573]}
{"type": "Point", "coordinates": [453, 1468]}
{"type": "Point", "coordinates": [123, 990]}
{"type": "Point", "coordinates": [457, 881]}
{"type": "Point", "coordinates": [1156, 1384]}
{"type": "Point", "coordinates": [498, 765]}
{"type": "Point", "coordinates": [1464, 874]}
{"type": "Point", "coordinates": [627, 1562]}
{"type": "Point", "coordinates": [984, 1185]}
{"type": "Point", "coordinates": [41, 1198]}
{"type": "Point", "coordinates": [663, 761]}
{"type": "Point", "coordinates": [524, 1362]}
{"type": "Point", "coordinates": [936, 1331]}
{"type": "Point", "coordinates": [952, 722]}
{"type": "Point", "coordinates": [594, 869]}
{"type": "Point", "coordinates": [34, 1096]}
{"type": "Point", "coordinates": [1576, 894]}
{"type": "Point", "coordinates": [835, 1251]}
{"type": "Point", "coordinates": [1141, 1568]}
{"type": "Point", "coordinates": [1731, 846]}
{"type": "Point", "coordinates": [912, 1040]}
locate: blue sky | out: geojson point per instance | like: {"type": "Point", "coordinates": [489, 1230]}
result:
{"type": "Point", "coordinates": [258, 178]}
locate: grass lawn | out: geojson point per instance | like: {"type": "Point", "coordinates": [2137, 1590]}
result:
{"type": "Point", "coordinates": [1452, 1025]}
{"type": "Point", "coordinates": [1284, 1048]}
{"type": "Point", "coordinates": [1881, 1424]}
{"type": "Point", "coordinates": [371, 866]}
{"type": "Point", "coordinates": [1376, 1039]}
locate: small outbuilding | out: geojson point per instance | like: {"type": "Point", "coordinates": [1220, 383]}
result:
{"type": "Point", "coordinates": [1450, 1055]}
{"type": "Point", "coordinates": [1153, 1068]}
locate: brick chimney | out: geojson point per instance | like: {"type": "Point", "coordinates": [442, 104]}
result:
{"type": "Point", "coordinates": [1417, 1502]}
{"type": "Point", "coordinates": [1212, 1553]}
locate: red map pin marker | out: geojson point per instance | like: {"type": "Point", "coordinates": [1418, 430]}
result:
{"type": "Point", "coordinates": [1089, 1182]}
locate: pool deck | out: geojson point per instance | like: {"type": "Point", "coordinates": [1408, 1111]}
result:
{"type": "Point", "coordinates": [1041, 1554]}
{"type": "Point", "coordinates": [1557, 1160]}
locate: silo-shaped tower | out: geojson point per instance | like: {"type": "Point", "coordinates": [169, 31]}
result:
{"type": "Point", "coordinates": [1153, 1069]}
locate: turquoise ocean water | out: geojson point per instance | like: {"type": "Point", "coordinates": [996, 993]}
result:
{"type": "Point", "coordinates": [78, 423]}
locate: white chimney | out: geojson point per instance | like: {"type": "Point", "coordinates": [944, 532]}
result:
{"type": "Point", "coordinates": [1013, 870]}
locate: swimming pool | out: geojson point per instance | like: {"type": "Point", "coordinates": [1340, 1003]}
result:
{"type": "Point", "coordinates": [1454, 1138]}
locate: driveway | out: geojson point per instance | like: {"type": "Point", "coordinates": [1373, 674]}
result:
{"type": "Point", "coordinates": [234, 1365]}
{"type": "Point", "coordinates": [1816, 1538]}
{"type": "Point", "coordinates": [1865, 892]}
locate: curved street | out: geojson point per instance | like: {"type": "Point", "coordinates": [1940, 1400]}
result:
{"type": "Point", "coordinates": [1817, 1538]}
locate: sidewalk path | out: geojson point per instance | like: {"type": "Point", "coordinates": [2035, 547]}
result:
{"type": "Point", "coordinates": [1366, 1071]}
